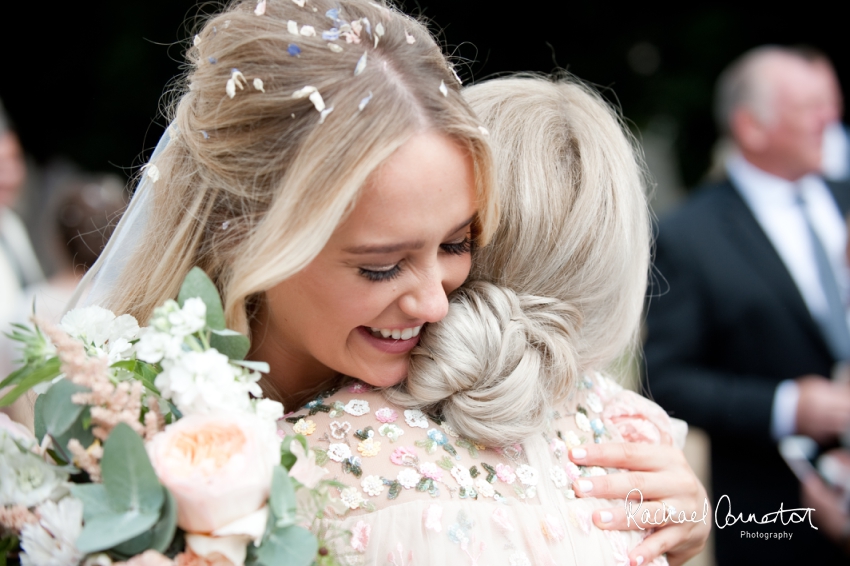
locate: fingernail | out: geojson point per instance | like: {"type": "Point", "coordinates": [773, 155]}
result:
{"type": "Point", "coordinates": [585, 485]}
{"type": "Point", "coordinates": [606, 516]}
{"type": "Point", "coordinates": [639, 560]}
{"type": "Point", "coordinates": [579, 453]}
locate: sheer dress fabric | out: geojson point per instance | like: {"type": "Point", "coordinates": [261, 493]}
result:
{"type": "Point", "coordinates": [417, 493]}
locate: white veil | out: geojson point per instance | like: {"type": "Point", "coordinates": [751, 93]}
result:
{"type": "Point", "coordinates": [100, 279]}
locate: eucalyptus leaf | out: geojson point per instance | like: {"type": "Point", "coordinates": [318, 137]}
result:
{"type": "Point", "coordinates": [58, 411]}
{"type": "Point", "coordinates": [94, 498]}
{"type": "Point", "coordinates": [282, 499]}
{"type": "Point", "coordinates": [105, 531]}
{"type": "Point", "coordinates": [128, 476]}
{"type": "Point", "coordinates": [293, 546]}
{"type": "Point", "coordinates": [287, 458]}
{"type": "Point", "coordinates": [198, 284]}
{"type": "Point", "coordinates": [233, 345]}
{"type": "Point", "coordinates": [44, 372]}
{"type": "Point", "coordinates": [157, 537]}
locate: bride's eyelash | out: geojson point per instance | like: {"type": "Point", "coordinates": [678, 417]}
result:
{"type": "Point", "coordinates": [458, 248]}
{"type": "Point", "coordinates": [384, 275]}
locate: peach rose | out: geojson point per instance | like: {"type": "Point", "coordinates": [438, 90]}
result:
{"type": "Point", "coordinates": [218, 467]}
{"type": "Point", "coordinates": [637, 419]}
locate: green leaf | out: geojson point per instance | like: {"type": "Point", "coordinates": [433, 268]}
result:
{"type": "Point", "coordinates": [59, 413]}
{"type": "Point", "coordinates": [105, 531]}
{"type": "Point", "coordinates": [15, 377]}
{"type": "Point", "coordinates": [94, 498]}
{"type": "Point", "coordinates": [293, 546]}
{"type": "Point", "coordinates": [282, 498]}
{"type": "Point", "coordinates": [141, 370]}
{"type": "Point", "coordinates": [129, 478]}
{"type": "Point", "coordinates": [198, 284]}
{"type": "Point", "coordinates": [39, 374]}
{"type": "Point", "coordinates": [287, 458]}
{"type": "Point", "coordinates": [230, 343]}
{"type": "Point", "coordinates": [252, 365]}
{"type": "Point", "coordinates": [157, 537]}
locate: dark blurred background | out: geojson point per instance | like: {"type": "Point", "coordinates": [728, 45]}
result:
{"type": "Point", "coordinates": [84, 81]}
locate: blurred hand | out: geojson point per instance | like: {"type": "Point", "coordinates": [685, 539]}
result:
{"type": "Point", "coordinates": [823, 410]}
{"type": "Point", "coordinates": [828, 514]}
{"type": "Point", "coordinates": [661, 473]}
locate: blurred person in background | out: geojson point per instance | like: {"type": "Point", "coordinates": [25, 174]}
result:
{"type": "Point", "coordinates": [748, 315]}
{"type": "Point", "coordinates": [836, 137]}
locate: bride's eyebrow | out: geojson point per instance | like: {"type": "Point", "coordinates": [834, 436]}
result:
{"type": "Point", "coordinates": [389, 248]}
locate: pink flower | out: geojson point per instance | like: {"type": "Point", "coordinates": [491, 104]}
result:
{"type": "Point", "coordinates": [552, 528]}
{"type": "Point", "coordinates": [500, 517]}
{"type": "Point", "coordinates": [557, 446]}
{"type": "Point", "coordinates": [432, 517]}
{"type": "Point", "coordinates": [360, 536]}
{"type": "Point", "coordinates": [431, 470]}
{"type": "Point", "coordinates": [403, 455]}
{"type": "Point", "coordinates": [505, 473]}
{"type": "Point", "coordinates": [358, 387]}
{"type": "Point", "coordinates": [573, 471]}
{"type": "Point", "coordinates": [386, 415]}
{"type": "Point", "coordinates": [637, 419]}
{"type": "Point", "coordinates": [218, 467]}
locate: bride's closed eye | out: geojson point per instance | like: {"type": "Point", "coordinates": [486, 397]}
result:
{"type": "Point", "coordinates": [460, 247]}
{"type": "Point", "coordinates": [386, 273]}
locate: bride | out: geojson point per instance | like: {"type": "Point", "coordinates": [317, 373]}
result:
{"type": "Point", "coordinates": [325, 171]}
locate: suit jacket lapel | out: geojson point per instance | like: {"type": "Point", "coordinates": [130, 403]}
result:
{"type": "Point", "coordinates": [754, 244]}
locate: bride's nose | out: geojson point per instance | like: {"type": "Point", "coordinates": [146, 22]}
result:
{"type": "Point", "coordinates": [426, 300]}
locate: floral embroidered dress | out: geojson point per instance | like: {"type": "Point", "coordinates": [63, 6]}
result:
{"type": "Point", "coordinates": [417, 493]}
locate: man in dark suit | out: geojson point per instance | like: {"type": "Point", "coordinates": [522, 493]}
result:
{"type": "Point", "coordinates": [747, 313]}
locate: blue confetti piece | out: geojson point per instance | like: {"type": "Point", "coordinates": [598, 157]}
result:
{"type": "Point", "coordinates": [205, 134]}
{"type": "Point", "coordinates": [212, 60]}
{"type": "Point", "coordinates": [293, 50]}
{"type": "Point", "coordinates": [330, 35]}
{"type": "Point", "coordinates": [333, 13]}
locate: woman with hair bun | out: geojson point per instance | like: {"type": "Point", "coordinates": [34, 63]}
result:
{"type": "Point", "coordinates": [324, 169]}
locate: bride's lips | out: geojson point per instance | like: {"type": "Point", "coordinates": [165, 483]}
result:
{"type": "Point", "coordinates": [388, 345]}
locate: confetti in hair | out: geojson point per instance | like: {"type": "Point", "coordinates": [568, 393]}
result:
{"type": "Point", "coordinates": [335, 48]}
{"type": "Point", "coordinates": [212, 60]}
{"type": "Point", "coordinates": [293, 50]}
{"type": "Point", "coordinates": [261, 8]}
{"type": "Point", "coordinates": [292, 27]}
{"type": "Point", "coordinates": [457, 77]}
{"type": "Point", "coordinates": [205, 134]}
{"type": "Point", "coordinates": [312, 93]}
{"type": "Point", "coordinates": [258, 85]}
{"type": "Point", "coordinates": [236, 79]}
{"type": "Point", "coordinates": [333, 14]}
{"type": "Point", "coordinates": [484, 130]}
{"type": "Point", "coordinates": [379, 32]}
{"type": "Point", "coordinates": [364, 101]}
{"type": "Point", "coordinates": [299, 3]}
{"type": "Point", "coordinates": [197, 41]}
{"type": "Point", "coordinates": [152, 171]}
{"type": "Point", "coordinates": [308, 31]}
{"type": "Point", "coordinates": [361, 64]}
{"type": "Point", "coordinates": [443, 88]}
{"type": "Point", "coordinates": [324, 114]}
{"type": "Point", "coordinates": [330, 35]}
{"type": "Point", "coordinates": [409, 38]}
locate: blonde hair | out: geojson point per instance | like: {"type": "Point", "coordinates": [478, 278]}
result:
{"type": "Point", "coordinates": [559, 291]}
{"type": "Point", "coordinates": [252, 186]}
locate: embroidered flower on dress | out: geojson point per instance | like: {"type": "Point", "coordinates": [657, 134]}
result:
{"type": "Point", "coordinates": [358, 387]}
{"type": "Point", "coordinates": [305, 427]}
{"type": "Point", "coordinates": [519, 559]}
{"type": "Point", "coordinates": [369, 447]}
{"type": "Point", "coordinates": [431, 470]}
{"type": "Point", "coordinates": [351, 497]}
{"type": "Point", "coordinates": [386, 415]}
{"type": "Point", "coordinates": [582, 422]}
{"type": "Point", "coordinates": [437, 436]}
{"type": "Point", "coordinates": [597, 426]}
{"type": "Point", "coordinates": [403, 455]}
{"type": "Point", "coordinates": [558, 447]}
{"type": "Point", "coordinates": [505, 473]}
{"type": "Point", "coordinates": [391, 431]}
{"type": "Point", "coordinates": [583, 519]}
{"type": "Point", "coordinates": [408, 478]}
{"type": "Point", "coordinates": [462, 476]}
{"type": "Point", "coordinates": [572, 439]}
{"type": "Point", "coordinates": [449, 430]}
{"type": "Point", "coordinates": [573, 472]}
{"type": "Point", "coordinates": [372, 485]}
{"type": "Point", "coordinates": [360, 536]}
{"type": "Point", "coordinates": [357, 407]}
{"type": "Point", "coordinates": [340, 429]}
{"type": "Point", "coordinates": [433, 517]}
{"type": "Point", "coordinates": [594, 402]}
{"type": "Point", "coordinates": [500, 517]}
{"type": "Point", "coordinates": [559, 476]}
{"type": "Point", "coordinates": [339, 452]}
{"type": "Point", "coordinates": [415, 418]}
{"type": "Point", "coordinates": [552, 528]}
{"type": "Point", "coordinates": [484, 488]}
{"type": "Point", "coordinates": [527, 475]}
{"type": "Point", "coordinates": [597, 471]}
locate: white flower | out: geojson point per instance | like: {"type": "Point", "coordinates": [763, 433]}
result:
{"type": "Point", "coordinates": [408, 478]}
{"type": "Point", "coordinates": [462, 475]}
{"type": "Point", "coordinates": [268, 410]}
{"type": "Point", "coordinates": [51, 540]}
{"type": "Point", "coordinates": [433, 518]}
{"type": "Point", "coordinates": [101, 331]}
{"type": "Point", "coordinates": [26, 479]}
{"type": "Point", "coordinates": [559, 476]}
{"type": "Point", "coordinates": [153, 346]}
{"type": "Point", "coordinates": [431, 470]}
{"type": "Point", "coordinates": [372, 485]}
{"type": "Point", "coordinates": [339, 452]}
{"type": "Point", "coordinates": [572, 439]}
{"type": "Point", "coordinates": [190, 319]}
{"type": "Point", "coordinates": [415, 418]}
{"type": "Point", "coordinates": [594, 402]}
{"type": "Point", "coordinates": [204, 382]}
{"type": "Point", "coordinates": [484, 488]}
{"type": "Point", "coordinates": [351, 497]}
{"type": "Point", "coordinates": [519, 559]}
{"type": "Point", "coordinates": [527, 475]}
{"type": "Point", "coordinates": [596, 471]}
{"type": "Point", "coordinates": [582, 422]}
{"type": "Point", "coordinates": [357, 407]}
{"type": "Point", "coordinates": [391, 431]}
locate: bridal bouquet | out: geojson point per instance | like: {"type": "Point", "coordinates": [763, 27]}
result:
{"type": "Point", "coordinates": [153, 446]}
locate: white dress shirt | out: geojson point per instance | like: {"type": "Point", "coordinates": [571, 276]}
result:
{"type": "Point", "coordinates": [772, 201]}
